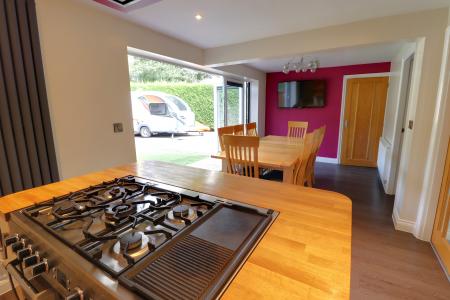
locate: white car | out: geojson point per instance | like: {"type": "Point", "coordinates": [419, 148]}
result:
{"type": "Point", "coordinates": [158, 112]}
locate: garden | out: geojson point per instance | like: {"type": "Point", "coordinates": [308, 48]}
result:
{"type": "Point", "coordinates": [197, 90]}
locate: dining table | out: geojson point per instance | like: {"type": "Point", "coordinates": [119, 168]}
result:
{"type": "Point", "coordinates": [275, 153]}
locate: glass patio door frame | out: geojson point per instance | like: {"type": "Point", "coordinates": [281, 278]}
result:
{"type": "Point", "coordinates": [243, 101]}
{"type": "Point", "coordinates": [221, 105]}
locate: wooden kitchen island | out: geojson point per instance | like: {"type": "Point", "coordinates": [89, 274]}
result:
{"type": "Point", "coordinates": [306, 253]}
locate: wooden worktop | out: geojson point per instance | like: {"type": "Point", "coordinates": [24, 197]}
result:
{"type": "Point", "coordinates": [304, 255]}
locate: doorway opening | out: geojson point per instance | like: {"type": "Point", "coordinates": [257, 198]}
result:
{"type": "Point", "coordinates": [176, 111]}
{"type": "Point", "coordinates": [404, 100]}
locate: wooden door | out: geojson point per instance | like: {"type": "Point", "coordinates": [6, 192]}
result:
{"type": "Point", "coordinates": [441, 230]}
{"type": "Point", "coordinates": [365, 103]}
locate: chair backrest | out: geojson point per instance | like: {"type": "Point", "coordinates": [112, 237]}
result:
{"type": "Point", "coordinates": [221, 132]}
{"type": "Point", "coordinates": [239, 129]}
{"type": "Point", "coordinates": [312, 157]}
{"type": "Point", "coordinates": [320, 136]}
{"type": "Point", "coordinates": [300, 170]}
{"type": "Point", "coordinates": [297, 129]}
{"type": "Point", "coordinates": [242, 154]}
{"type": "Point", "coordinates": [251, 129]}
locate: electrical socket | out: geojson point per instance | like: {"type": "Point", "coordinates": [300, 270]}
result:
{"type": "Point", "coordinates": [118, 127]}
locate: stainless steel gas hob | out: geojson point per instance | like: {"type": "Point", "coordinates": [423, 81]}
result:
{"type": "Point", "coordinates": [131, 238]}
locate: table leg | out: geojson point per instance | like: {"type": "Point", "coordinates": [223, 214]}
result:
{"type": "Point", "coordinates": [224, 165]}
{"type": "Point", "coordinates": [288, 174]}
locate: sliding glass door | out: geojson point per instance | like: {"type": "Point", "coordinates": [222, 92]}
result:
{"type": "Point", "coordinates": [234, 92]}
{"type": "Point", "coordinates": [232, 105]}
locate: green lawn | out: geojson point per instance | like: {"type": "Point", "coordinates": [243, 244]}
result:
{"type": "Point", "coordinates": [176, 158]}
{"type": "Point", "coordinates": [182, 149]}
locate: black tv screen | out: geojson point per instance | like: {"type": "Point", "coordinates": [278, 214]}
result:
{"type": "Point", "coordinates": [300, 94]}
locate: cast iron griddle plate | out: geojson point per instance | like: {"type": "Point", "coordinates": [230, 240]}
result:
{"type": "Point", "coordinates": [199, 264]}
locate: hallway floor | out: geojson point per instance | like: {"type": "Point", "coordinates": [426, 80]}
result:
{"type": "Point", "coordinates": [386, 264]}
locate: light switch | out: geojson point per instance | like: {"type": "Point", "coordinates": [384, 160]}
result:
{"type": "Point", "coordinates": [118, 127]}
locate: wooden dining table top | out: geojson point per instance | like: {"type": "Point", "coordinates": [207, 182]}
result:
{"type": "Point", "coordinates": [276, 152]}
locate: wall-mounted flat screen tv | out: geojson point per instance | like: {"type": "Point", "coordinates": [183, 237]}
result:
{"type": "Point", "coordinates": [301, 94]}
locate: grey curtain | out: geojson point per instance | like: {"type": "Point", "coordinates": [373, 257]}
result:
{"type": "Point", "coordinates": [27, 153]}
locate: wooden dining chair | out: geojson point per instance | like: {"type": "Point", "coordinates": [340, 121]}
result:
{"type": "Point", "coordinates": [241, 154]}
{"type": "Point", "coordinates": [300, 168]}
{"type": "Point", "coordinates": [297, 129]}
{"type": "Point", "coordinates": [319, 134]}
{"type": "Point", "coordinates": [239, 129]}
{"type": "Point", "coordinates": [221, 132]}
{"type": "Point", "coordinates": [250, 129]}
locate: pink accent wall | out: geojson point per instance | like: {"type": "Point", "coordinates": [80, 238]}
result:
{"type": "Point", "coordinates": [277, 118]}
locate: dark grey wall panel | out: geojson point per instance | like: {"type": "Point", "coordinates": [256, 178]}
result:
{"type": "Point", "coordinates": [27, 154]}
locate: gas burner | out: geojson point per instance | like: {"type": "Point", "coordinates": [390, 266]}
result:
{"type": "Point", "coordinates": [114, 193]}
{"type": "Point", "coordinates": [75, 209]}
{"type": "Point", "coordinates": [182, 214]}
{"type": "Point", "coordinates": [120, 251]}
{"type": "Point", "coordinates": [118, 212]}
{"type": "Point", "coordinates": [180, 211]}
{"type": "Point", "coordinates": [130, 240]}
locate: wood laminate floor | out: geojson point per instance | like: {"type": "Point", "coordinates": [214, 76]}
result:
{"type": "Point", "coordinates": [386, 264]}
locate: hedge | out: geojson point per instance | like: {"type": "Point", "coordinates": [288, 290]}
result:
{"type": "Point", "coordinates": [199, 96]}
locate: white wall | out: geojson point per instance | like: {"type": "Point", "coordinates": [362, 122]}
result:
{"type": "Point", "coordinates": [390, 139]}
{"type": "Point", "coordinates": [86, 70]}
{"type": "Point", "coordinates": [84, 53]}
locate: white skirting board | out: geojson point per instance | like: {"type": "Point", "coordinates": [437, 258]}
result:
{"type": "Point", "coordinates": [329, 160]}
{"type": "Point", "coordinates": [402, 225]}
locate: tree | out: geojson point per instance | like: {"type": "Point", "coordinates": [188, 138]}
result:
{"type": "Point", "coordinates": [147, 70]}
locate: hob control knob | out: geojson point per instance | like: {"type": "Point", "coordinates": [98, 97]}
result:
{"type": "Point", "coordinates": [21, 254]}
{"type": "Point", "coordinates": [31, 260]}
{"type": "Point", "coordinates": [40, 268]}
{"type": "Point", "coordinates": [18, 245]}
{"type": "Point", "coordinates": [11, 240]}
{"type": "Point", "coordinates": [76, 295]}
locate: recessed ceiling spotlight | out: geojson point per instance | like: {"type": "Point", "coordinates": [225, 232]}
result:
{"type": "Point", "coordinates": [198, 17]}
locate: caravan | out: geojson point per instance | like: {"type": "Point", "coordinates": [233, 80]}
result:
{"type": "Point", "coordinates": [158, 112]}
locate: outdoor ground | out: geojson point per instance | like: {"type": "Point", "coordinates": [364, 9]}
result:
{"type": "Point", "coordinates": [191, 150]}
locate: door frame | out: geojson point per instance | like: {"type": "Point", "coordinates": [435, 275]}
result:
{"type": "Point", "coordinates": [442, 251]}
{"type": "Point", "coordinates": [244, 109]}
{"type": "Point", "coordinates": [344, 94]}
{"type": "Point", "coordinates": [434, 169]}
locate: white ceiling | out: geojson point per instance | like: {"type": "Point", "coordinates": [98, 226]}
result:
{"type": "Point", "coordinates": [338, 57]}
{"type": "Point", "coordinates": [233, 21]}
